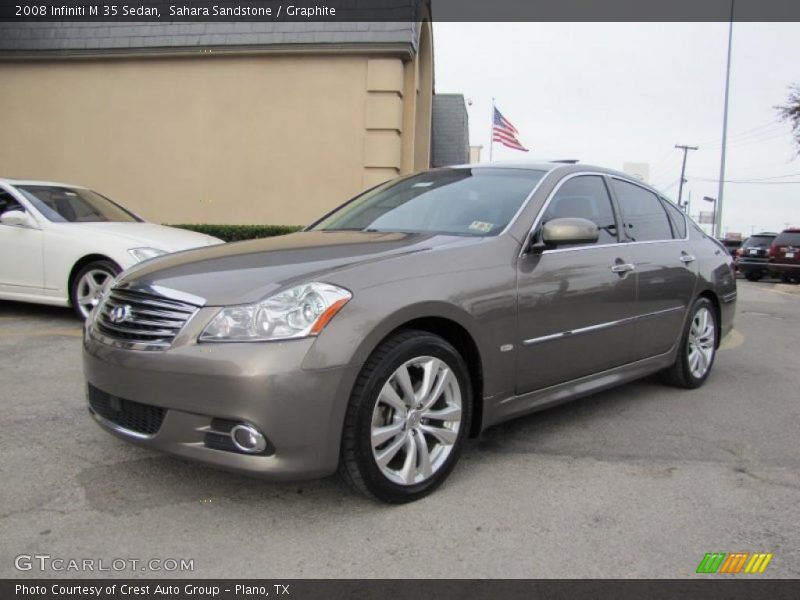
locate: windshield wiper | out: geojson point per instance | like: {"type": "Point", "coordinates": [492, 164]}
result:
{"type": "Point", "coordinates": [366, 230]}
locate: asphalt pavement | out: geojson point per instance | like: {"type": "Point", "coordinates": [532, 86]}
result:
{"type": "Point", "coordinates": [639, 481]}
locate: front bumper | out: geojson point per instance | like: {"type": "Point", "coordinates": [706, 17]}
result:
{"type": "Point", "coordinates": [300, 412]}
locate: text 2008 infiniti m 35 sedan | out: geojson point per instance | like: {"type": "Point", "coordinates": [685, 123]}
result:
{"type": "Point", "coordinates": [417, 314]}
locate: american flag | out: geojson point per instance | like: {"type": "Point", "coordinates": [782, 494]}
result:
{"type": "Point", "coordinates": [505, 133]}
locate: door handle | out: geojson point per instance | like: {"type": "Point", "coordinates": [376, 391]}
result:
{"type": "Point", "coordinates": [687, 258]}
{"type": "Point", "coordinates": [623, 268]}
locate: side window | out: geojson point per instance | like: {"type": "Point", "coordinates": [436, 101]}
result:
{"type": "Point", "coordinates": [7, 202]}
{"type": "Point", "coordinates": [643, 216]}
{"type": "Point", "coordinates": [676, 219]}
{"type": "Point", "coordinates": [585, 196]}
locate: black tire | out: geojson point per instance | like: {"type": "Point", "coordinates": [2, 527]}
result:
{"type": "Point", "coordinates": [357, 465]}
{"type": "Point", "coordinates": [680, 373]}
{"type": "Point", "coordinates": [106, 266]}
{"type": "Point", "coordinates": [752, 276]}
{"type": "Point", "coordinates": [785, 278]}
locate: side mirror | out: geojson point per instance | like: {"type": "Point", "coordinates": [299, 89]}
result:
{"type": "Point", "coordinates": [16, 218]}
{"type": "Point", "coordinates": [566, 231]}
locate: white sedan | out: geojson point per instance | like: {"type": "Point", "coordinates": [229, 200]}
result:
{"type": "Point", "coordinates": [63, 244]}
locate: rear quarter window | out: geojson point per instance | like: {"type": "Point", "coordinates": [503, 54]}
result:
{"type": "Point", "coordinates": [677, 220]}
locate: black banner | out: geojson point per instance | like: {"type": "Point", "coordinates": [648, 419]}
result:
{"type": "Point", "coordinates": [166, 11]}
{"type": "Point", "coordinates": [383, 589]}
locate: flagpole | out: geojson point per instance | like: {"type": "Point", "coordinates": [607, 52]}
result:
{"type": "Point", "coordinates": [491, 133]}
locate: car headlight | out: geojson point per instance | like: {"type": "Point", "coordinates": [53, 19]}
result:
{"type": "Point", "coordinates": [142, 254]}
{"type": "Point", "coordinates": [299, 312]}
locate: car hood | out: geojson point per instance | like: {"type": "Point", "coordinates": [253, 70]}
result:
{"type": "Point", "coordinates": [246, 272]}
{"type": "Point", "coordinates": [150, 235]}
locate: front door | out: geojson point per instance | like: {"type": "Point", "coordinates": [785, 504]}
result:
{"type": "Point", "coordinates": [576, 304]}
{"type": "Point", "coordinates": [21, 268]}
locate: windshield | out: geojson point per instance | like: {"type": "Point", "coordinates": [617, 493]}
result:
{"type": "Point", "coordinates": [74, 205]}
{"type": "Point", "coordinates": [478, 202]}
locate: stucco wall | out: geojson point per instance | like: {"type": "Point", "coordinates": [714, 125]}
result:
{"type": "Point", "coordinates": [256, 139]}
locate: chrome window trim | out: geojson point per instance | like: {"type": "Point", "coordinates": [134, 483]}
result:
{"type": "Point", "coordinates": [546, 204]}
{"type": "Point", "coordinates": [555, 250]}
{"type": "Point", "coordinates": [600, 326]}
{"type": "Point", "coordinates": [554, 191]}
{"type": "Point", "coordinates": [659, 197]}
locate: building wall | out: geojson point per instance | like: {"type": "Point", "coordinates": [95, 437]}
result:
{"type": "Point", "coordinates": [233, 139]}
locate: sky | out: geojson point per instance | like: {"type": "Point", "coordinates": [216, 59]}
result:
{"type": "Point", "coordinates": [611, 93]}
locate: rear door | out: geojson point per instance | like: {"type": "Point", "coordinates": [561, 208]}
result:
{"type": "Point", "coordinates": [575, 302]}
{"type": "Point", "coordinates": [665, 266]}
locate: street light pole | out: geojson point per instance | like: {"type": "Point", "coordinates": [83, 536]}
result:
{"type": "Point", "coordinates": [713, 214]}
{"type": "Point", "coordinates": [683, 171]}
{"type": "Point", "coordinates": [721, 191]}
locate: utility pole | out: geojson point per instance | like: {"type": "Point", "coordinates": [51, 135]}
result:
{"type": "Point", "coordinates": [721, 191]}
{"type": "Point", "coordinates": [683, 171]}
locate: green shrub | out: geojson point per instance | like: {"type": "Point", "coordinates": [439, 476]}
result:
{"type": "Point", "coordinates": [235, 233]}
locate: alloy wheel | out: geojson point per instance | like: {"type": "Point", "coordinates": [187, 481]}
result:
{"type": "Point", "coordinates": [416, 420]}
{"type": "Point", "coordinates": [90, 289]}
{"type": "Point", "coordinates": [701, 342]}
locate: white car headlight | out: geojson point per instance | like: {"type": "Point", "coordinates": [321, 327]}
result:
{"type": "Point", "coordinates": [299, 312]}
{"type": "Point", "coordinates": [143, 254]}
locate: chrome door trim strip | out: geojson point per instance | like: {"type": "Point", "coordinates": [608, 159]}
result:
{"type": "Point", "coordinates": [600, 326]}
{"type": "Point", "coordinates": [729, 297]}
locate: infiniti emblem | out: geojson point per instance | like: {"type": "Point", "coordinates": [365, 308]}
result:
{"type": "Point", "coordinates": [120, 314]}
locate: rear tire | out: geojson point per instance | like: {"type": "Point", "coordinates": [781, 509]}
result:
{"type": "Point", "coordinates": [785, 278]}
{"type": "Point", "coordinates": [88, 285]}
{"type": "Point", "coordinates": [698, 347]}
{"type": "Point", "coordinates": [393, 445]}
{"type": "Point", "coordinates": [752, 276]}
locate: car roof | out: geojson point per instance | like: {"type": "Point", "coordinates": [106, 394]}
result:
{"type": "Point", "coordinates": [791, 230]}
{"type": "Point", "coordinates": [563, 166]}
{"type": "Point", "coordinates": [10, 181]}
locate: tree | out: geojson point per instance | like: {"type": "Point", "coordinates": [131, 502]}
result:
{"type": "Point", "coordinates": [790, 112]}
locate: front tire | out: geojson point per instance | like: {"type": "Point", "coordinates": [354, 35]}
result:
{"type": "Point", "coordinates": [88, 285]}
{"type": "Point", "coordinates": [698, 347]}
{"type": "Point", "coordinates": [408, 418]}
{"type": "Point", "coordinates": [752, 276]}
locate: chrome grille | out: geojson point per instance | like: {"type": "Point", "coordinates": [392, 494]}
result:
{"type": "Point", "coordinates": [140, 321]}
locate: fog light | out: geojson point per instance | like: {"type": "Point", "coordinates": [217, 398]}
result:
{"type": "Point", "coordinates": [248, 439]}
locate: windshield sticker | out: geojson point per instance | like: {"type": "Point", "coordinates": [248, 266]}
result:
{"type": "Point", "coordinates": [481, 226]}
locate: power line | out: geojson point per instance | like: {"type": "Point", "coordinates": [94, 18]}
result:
{"type": "Point", "coordinates": [753, 138]}
{"type": "Point", "coordinates": [754, 181]}
{"type": "Point", "coordinates": [745, 133]}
